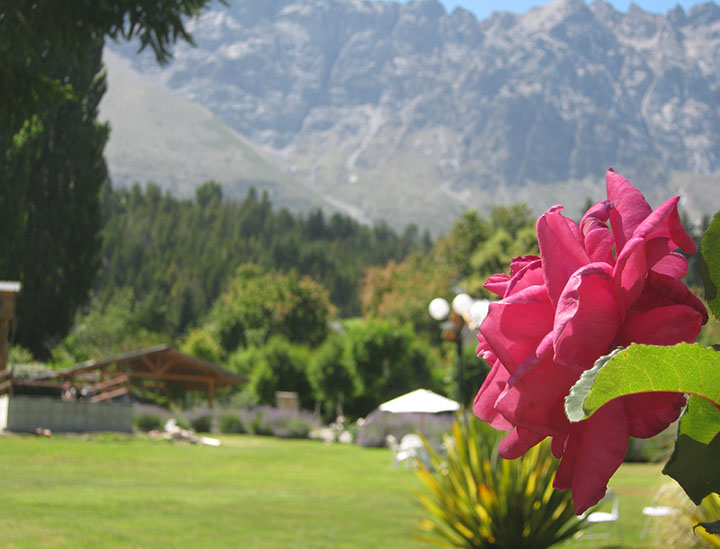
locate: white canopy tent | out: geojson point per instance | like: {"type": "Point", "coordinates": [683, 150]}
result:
{"type": "Point", "coordinates": [420, 401]}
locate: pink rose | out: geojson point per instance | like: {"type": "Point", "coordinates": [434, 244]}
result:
{"type": "Point", "coordinates": [593, 289]}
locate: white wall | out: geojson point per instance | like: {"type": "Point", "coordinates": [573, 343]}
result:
{"type": "Point", "coordinates": [27, 413]}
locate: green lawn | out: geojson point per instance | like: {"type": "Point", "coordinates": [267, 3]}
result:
{"type": "Point", "coordinates": [636, 485]}
{"type": "Point", "coordinates": [116, 491]}
{"type": "Point", "coordinates": [250, 492]}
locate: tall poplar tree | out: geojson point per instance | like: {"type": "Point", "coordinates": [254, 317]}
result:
{"type": "Point", "coordinates": [52, 175]}
{"type": "Point", "coordinates": [51, 165]}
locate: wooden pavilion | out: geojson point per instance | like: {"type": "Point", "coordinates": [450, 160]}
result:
{"type": "Point", "coordinates": [160, 367]}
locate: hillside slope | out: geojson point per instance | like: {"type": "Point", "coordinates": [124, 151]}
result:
{"type": "Point", "coordinates": [411, 114]}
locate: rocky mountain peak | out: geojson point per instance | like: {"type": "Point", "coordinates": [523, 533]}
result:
{"type": "Point", "coordinates": [379, 103]}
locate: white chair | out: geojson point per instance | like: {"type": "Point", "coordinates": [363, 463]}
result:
{"type": "Point", "coordinates": [655, 511]}
{"type": "Point", "coordinates": [399, 455]}
{"type": "Point", "coordinates": [604, 517]}
{"type": "Point", "coordinates": [414, 445]}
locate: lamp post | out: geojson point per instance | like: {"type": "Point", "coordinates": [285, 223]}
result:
{"type": "Point", "coordinates": [465, 311]}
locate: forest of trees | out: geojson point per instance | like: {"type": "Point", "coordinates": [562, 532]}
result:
{"type": "Point", "coordinates": [326, 306]}
{"type": "Point", "coordinates": [176, 255]}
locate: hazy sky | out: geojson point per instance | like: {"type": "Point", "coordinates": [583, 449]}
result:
{"type": "Point", "coordinates": [483, 8]}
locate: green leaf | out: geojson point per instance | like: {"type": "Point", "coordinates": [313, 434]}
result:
{"type": "Point", "coordinates": [695, 463]}
{"type": "Point", "coordinates": [710, 264]}
{"type": "Point", "coordinates": [682, 368]}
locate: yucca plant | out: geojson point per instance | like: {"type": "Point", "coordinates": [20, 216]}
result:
{"type": "Point", "coordinates": [474, 498]}
{"type": "Point", "coordinates": [679, 531]}
{"type": "Point", "coordinates": [709, 511]}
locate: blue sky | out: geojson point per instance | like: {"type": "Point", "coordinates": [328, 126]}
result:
{"type": "Point", "coordinates": [483, 8]}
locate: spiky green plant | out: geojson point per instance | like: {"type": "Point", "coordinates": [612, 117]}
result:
{"type": "Point", "coordinates": [679, 531]}
{"type": "Point", "coordinates": [709, 511]}
{"type": "Point", "coordinates": [474, 498]}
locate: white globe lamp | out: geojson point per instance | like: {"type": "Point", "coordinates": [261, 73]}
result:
{"type": "Point", "coordinates": [478, 311]}
{"type": "Point", "coordinates": [439, 308]}
{"type": "Point", "coordinates": [462, 304]}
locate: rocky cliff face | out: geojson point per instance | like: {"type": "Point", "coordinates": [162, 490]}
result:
{"type": "Point", "coordinates": [405, 111]}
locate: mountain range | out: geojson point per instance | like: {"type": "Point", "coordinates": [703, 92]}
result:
{"type": "Point", "coordinates": [410, 114]}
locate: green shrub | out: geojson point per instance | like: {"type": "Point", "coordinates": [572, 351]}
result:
{"type": "Point", "coordinates": [281, 366]}
{"type": "Point", "coordinates": [256, 421]}
{"type": "Point", "coordinates": [231, 423]}
{"type": "Point", "coordinates": [19, 355]}
{"type": "Point", "coordinates": [148, 422]}
{"type": "Point", "coordinates": [657, 449]}
{"type": "Point", "coordinates": [477, 499]}
{"type": "Point", "coordinates": [202, 424]}
{"type": "Point", "coordinates": [270, 421]}
{"type": "Point", "coordinates": [201, 343]}
{"type": "Point", "coordinates": [182, 422]}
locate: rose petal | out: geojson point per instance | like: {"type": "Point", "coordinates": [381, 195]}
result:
{"type": "Point", "coordinates": [536, 399]}
{"type": "Point", "coordinates": [561, 248]}
{"type": "Point", "coordinates": [650, 413]}
{"type": "Point", "coordinates": [497, 283]}
{"type": "Point", "coordinates": [667, 325]}
{"type": "Point", "coordinates": [557, 445]}
{"type": "Point", "coordinates": [515, 325]}
{"type": "Point", "coordinates": [661, 290]}
{"type": "Point", "coordinates": [517, 442]}
{"type": "Point", "coordinates": [651, 241]}
{"type": "Point", "coordinates": [520, 262]}
{"type": "Point", "coordinates": [673, 264]}
{"type": "Point", "coordinates": [629, 208]}
{"type": "Point", "coordinates": [594, 450]}
{"type": "Point", "coordinates": [530, 275]}
{"type": "Point", "coordinates": [599, 240]}
{"type": "Point", "coordinates": [587, 317]}
{"type": "Point", "coordinates": [484, 404]}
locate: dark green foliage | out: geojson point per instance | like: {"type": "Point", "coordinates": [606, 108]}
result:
{"type": "Point", "coordinates": [202, 424]}
{"type": "Point", "coordinates": [710, 264]}
{"type": "Point", "coordinates": [257, 304]}
{"type": "Point", "coordinates": [183, 422]}
{"type": "Point", "coordinates": [474, 372]}
{"type": "Point", "coordinates": [478, 247]}
{"type": "Point", "coordinates": [281, 366]}
{"type": "Point", "coordinates": [231, 423]}
{"type": "Point", "coordinates": [387, 360]}
{"type": "Point", "coordinates": [107, 329]}
{"type": "Point", "coordinates": [332, 378]}
{"type": "Point", "coordinates": [177, 255]}
{"type": "Point", "coordinates": [51, 165]}
{"type": "Point", "coordinates": [202, 344]}
{"type": "Point", "coordinates": [657, 449]}
{"type": "Point", "coordinates": [148, 422]}
{"type": "Point", "coordinates": [50, 178]}
{"type": "Point", "coordinates": [35, 35]}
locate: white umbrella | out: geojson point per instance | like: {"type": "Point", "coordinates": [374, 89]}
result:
{"type": "Point", "coordinates": [420, 401]}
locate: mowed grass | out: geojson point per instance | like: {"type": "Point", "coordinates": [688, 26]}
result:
{"type": "Point", "coordinates": [124, 491]}
{"type": "Point", "coordinates": [112, 491]}
{"type": "Point", "coordinates": [636, 485]}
